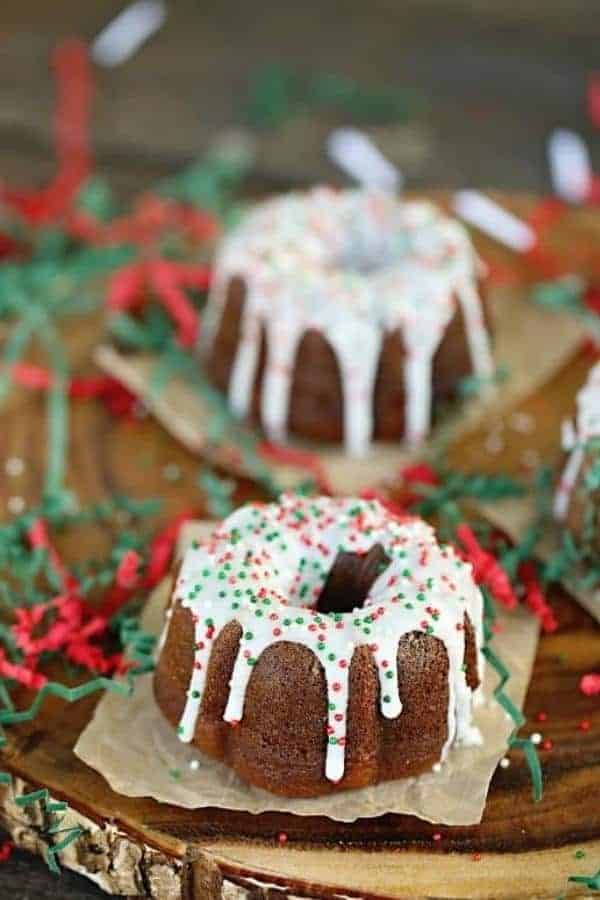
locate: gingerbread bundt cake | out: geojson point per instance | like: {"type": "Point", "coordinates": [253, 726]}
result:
{"type": "Point", "coordinates": [342, 315]}
{"type": "Point", "coordinates": [321, 644]}
{"type": "Point", "coordinates": [577, 497]}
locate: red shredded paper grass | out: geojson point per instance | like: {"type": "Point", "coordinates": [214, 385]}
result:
{"type": "Point", "coordinates": [70, 63]}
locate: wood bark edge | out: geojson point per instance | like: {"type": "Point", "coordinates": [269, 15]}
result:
{"type": "Point", "coordinates": [117, 863]}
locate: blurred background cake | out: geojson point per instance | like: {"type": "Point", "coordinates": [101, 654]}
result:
{"type": "Point", "coordinates": [345, 316]}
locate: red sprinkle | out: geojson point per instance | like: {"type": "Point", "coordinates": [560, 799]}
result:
{"type": "Point", "coordinates": [282, 837]}
{"type": "Point", "coordinates": [542, 716]}
{"type": "Point", "coordinates": [6, 849]}
{"type": "Point", "coordinates": [547, 744]}
{"type": "Point", "coordinates": [437, 836]}
{"type": "Point", "coordinates": [476, 857]}
{"type": "Point", "coordinates": [590, 684]}
{"type": "Point", "coordinates": [585, 725]}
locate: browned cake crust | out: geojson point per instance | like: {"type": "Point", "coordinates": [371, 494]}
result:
{"type": "Point", "coordinates": [583, 514]}
{"type": "Point", "coordinates": [316, 404]}
{"type": "Point", "coordinates": [280, 743]}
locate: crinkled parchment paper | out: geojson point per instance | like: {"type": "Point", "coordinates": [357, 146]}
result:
{"type": "Point", "coordinates": [139, 755]}
{"type": "Point", "coordinates": [519, 325]}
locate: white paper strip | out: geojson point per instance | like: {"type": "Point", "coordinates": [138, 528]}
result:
{"type": "Point", "coordinates": [126, 33]}
{"type": "Point", "coordinates": [354, 152]}
{"type": "Point", "coordinates": [479, 210]}
{"type": "Point", "coordinates": [570, 166]}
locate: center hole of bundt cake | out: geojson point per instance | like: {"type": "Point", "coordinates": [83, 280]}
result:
{"type": "Point", "coordinates": [364, 259]}
{"type": "Point", "coordinates": [366, 251]}
{"type": "Point", "coordinates": [350, 579]}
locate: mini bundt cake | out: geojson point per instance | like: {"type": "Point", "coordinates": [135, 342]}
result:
{"type": "Point", "coordinates": [320, 644]}
{"type": "Point", "coordinates": [577, 497]}
{"type": "Point", "coordinates": [341, 315]}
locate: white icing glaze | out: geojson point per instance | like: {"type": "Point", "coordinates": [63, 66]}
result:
{"type": "Point", "coordinates": [265, 567]}
{"type": "Point", "coordinates": [574, 438]}
{"type": "Point", "coordinates": [354, 265]}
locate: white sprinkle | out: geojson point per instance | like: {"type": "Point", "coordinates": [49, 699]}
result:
{"type": "Point", "coordinates": [171, 472]}
{"type": "Point", "coordinates": [236, 146]}
{"type": "Point", "coordinates": [194, 765]}
{"type": "Point", "coordinates": [437, 767]}
{"type": "Point", "coordinates": [126, 33]}
{"type": "Point", "coordinates": [530, 458]}
{"type": "Point", "coordinates": [354, 152]}
{"type": "Point", "coordinates": [495, 221]}
{"type": "Point", "coordinates": [522, 422]}
{"type": "Point", "coordinates": [504, 762]}
{"type": "Point", "coordinates": [570, 166]}
{"type": "Point", "coordinates": [536, 738]}
{"type": "Point", "coordinates": [14, 466]}
{"type": "Point", "coordinates": [15, 505]}
{"type": "Point", "coordinates": [494, 443]}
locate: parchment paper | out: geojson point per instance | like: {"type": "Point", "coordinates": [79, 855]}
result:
{"type": "Point", "coordinates": [138, 753]}
{"type": "Point", "coordinates": [514, 516]}
{"type": "Point", "coordinates": [519, 326]}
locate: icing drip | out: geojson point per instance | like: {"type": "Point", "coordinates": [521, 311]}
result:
{"type": "Point", "coordinates": [354, 265]}
{"type": "Point", "coordinates": [574, 439]}
{"type": "Point", "coordinates": [265, 567]}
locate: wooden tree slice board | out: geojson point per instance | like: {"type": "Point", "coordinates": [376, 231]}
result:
{"type": "Point", "coordinates": [139, 847]}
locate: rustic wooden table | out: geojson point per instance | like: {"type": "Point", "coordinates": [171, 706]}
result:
{"type": "Point", "coordinates": [495, 77]}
